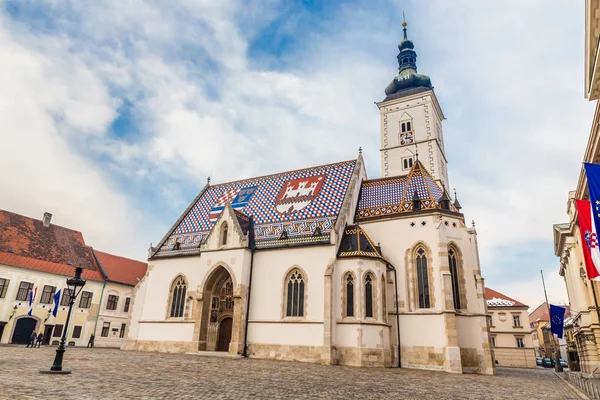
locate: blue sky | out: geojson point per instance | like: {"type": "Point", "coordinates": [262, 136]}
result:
{"type": "Point", "coordinates": [115, 113]}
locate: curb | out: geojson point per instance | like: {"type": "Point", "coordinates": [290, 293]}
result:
{"type": "Point", "coordinates": [578, 392]}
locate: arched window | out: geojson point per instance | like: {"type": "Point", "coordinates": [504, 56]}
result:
{"type": "Point", "coordinates": [369, 296]}
{"type": "Point", "coordinates": [384, 297]}
{"type": "Point", "coordinates": [295, 294]}
{"type": "Point", "coordinates": [408, 126]}
{"type": "Point", "coordinates": [455, 278]}
{"type": "Point", "coordinates": [403, 127]}
{"type": "Point", "coordinates": [224, 234]}
{"type": "Point", "coordinates": [178, 293]}
{"type": "Point", "coordinates": [422, 279]}
{"type": "Point", "coordinates": [349, 295]}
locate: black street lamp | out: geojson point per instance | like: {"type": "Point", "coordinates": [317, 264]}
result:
{"type": "Point", "coordinates": [75, 285]}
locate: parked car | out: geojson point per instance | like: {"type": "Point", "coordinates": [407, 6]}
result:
{"type": "Point", "coordinates": [548, 363]}
{"type": "Point", "coordinates": [563, 363]}
{"type": "Point", "coordinates": [538, 361]}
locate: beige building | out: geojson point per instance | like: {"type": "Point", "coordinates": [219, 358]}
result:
{"type": "Point", "coordinates": [39, 254]}
{"type": "Point", "coordinates": [509, 331]}
{"type": "Point", "coordinates": [567, 239]}
{"type": "Point", "coordinates": [325, 265]}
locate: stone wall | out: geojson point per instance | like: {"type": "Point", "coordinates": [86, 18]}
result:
{"type": "Point", "coordinates": [514, 357]}
{"type": "Point", "coordinates": [316, 354]}
{"type": "Point", "coordinates": [161, 346]}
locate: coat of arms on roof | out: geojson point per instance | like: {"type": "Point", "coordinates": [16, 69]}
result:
{"type": "Point", "coordinates": [238, 197]}
{"type": "Point", "coordinates": [298, 193]}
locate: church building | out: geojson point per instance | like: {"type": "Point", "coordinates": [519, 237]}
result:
{"type": "Point", "coordinates": [324, 265]}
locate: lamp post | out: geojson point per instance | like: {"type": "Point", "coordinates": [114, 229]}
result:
{"type": "Point", "coordinates": [75, 285]}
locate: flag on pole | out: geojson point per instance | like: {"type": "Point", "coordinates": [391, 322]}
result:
{"type": "Point", "coordinates": [589, 240]}
{"type": "Point", "coordinates": [32, 295]}
{"type": "Point", "coordinates": [56, 301]}
{"type": "Point", "coordinates": [557, 320]}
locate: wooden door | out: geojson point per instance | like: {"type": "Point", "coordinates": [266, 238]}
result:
{"type": "Point", "coordinates": [224, 334]}
{"type": "Point", "coordinates": [23, 329]}
{"type": "Point", "coordinates": [47, 334]}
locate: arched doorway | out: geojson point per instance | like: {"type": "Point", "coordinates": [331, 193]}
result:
{"type": "Point", "coordinates": [217, 312]}
{"type": "Point", "coordinates": [23, 329]}
{"type": "Point", "coordinates": [224, 334]}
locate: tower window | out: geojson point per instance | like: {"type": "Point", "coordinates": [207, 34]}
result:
{"type": "Point", "coordinates": [408, 126]}
{"type": "Point", "coordinates": [403, 127]}
{"type": "Point", "coordinates": [407, 163]}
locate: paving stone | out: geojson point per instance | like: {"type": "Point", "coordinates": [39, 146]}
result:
{"type": "Point", "coordinates": [115, 374]}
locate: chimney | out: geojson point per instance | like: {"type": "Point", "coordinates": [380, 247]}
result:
{"type": "Point", "coordinates": [46, 219]}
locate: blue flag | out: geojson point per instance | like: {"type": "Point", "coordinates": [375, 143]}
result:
{"type": "Point", "coordinates": [557, 320]}
{"type": "Point", "coordinates": [592, 171]}
{"type": "Point", "coordinates": [56, 301]}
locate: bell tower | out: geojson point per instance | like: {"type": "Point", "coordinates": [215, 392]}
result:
{"type": "Point", "coordinates": [411, 120]}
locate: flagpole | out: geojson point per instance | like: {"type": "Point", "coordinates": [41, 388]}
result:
{"type": "Point", "coordinates": [557, 366]}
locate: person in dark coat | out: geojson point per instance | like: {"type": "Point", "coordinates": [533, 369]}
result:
{"type": "Point", "coordinates": [32, 340]}
{"type": "Point", "coordinates": [91, 342]}
{"type": "Point", "coordinates": [40, 337]}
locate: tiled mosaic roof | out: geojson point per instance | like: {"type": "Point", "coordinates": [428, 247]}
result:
{"type": "Point", "coordinates": [356, 243]}
{"type": "Point", "coordinates": [296, 201]}
{"type": "Point", "coordinates": [394, 195]}
{"type": "Point", "coordinates": [497, 299]}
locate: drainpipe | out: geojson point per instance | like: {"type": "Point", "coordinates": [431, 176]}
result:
{"type": "Point", "coordinates": [101, 293]}
{"type": "Point", "coordinates": [390, 266]}
{"type": "Point", "coordinates": [99, 307]}
{"type": "Point", "coordinates": [252, 246]}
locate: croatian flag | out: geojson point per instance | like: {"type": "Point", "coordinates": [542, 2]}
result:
{"type": "Point", "coordinates": [56, 301]}
{"type": "Point", "coordinates": [32, 295]}
{"type": "Point", "coordinates": [589, 240]}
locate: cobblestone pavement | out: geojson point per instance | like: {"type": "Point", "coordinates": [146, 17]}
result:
{"type": "Point", "coordinates": [114, 374]}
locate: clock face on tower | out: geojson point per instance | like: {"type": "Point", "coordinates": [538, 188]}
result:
{"type": "Point", "coordinates": [407, 138]}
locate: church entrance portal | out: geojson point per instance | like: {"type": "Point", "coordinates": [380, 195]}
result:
{"type": "Point", "coordinates": [217, 312]}
{"type": "Point", "coordinates": [224, 334]}
{"type": "Point", "coordinates": [23, 330]}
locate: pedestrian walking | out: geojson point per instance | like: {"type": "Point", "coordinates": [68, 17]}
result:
{"type": "Point", "coordinates": [91, 342]}
{"type": "Point", "coordinates": [32, 340]}
{"type": "Point", "coordinates": [40, 337]}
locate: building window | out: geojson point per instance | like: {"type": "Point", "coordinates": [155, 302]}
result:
{"type": "Point", "coordinates": [111, 304]}
{"type": "Point", "coordinates": [407, 163]}
{"type": "Point", "coordinates": [454, 274]}
{"type": "Point", "coordinates": [490, 321]}
{"type": "Point", "coordinates": [295, 294]}
{"type": "Point", "coordinates": [178, 292]}
{"type": "Point", "coordinates": [520, 342]}
{"type": "Point", "coordinates": [76, 332]}
{"type": "Point", "coordinates": [493, 340]}
{"type": "Point", "coordinates": [86, 300]}
{"type": "Point", "coordinates": [534, 335]}
{"type": "Point", "coordinates": [516, 321]}
{"type": "Point", "coordinates": [406, 126]}
{"type": "Point", "coordinates": [349, 295]}
{"type": "Point", "coordinates": [127, 301]}
{"type": "Point", "coordinates": [57, 330]}
{"type": "Point", "coordinates": [24, 289]}
{"type": "Point", "coordinates": [224, 230]}
{"type": "Point", "coordinates": [105, 329]}
{"type": "Point", "coordinates": [422, 279]}
{"type": "Point", "coordinates": [369, 296]}
{"type": "Point", "coordinates": [122, 332]}
{"type": "Point", "coordinates": [3, 287]}
{"type": "Point", "coordinates": [47, 294]}
{"type": "Point", "coordinates": [66, 296]}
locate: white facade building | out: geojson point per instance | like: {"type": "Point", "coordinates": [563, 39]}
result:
{"type": "Point", "coordinates": [325, 265]}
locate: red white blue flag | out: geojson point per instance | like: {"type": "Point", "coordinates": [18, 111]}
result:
{"type": "Point", "coordinates": [32, 295]}
{"type": "Point", "coordinates": [589, 239]}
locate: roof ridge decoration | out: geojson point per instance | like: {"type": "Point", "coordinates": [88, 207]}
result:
{"type": "Point", "coordinates": [351, 244]}
{"type": "Point", "coordinates": [395, 195]}
{"type": "Point", "coordinates": [296, 201]}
